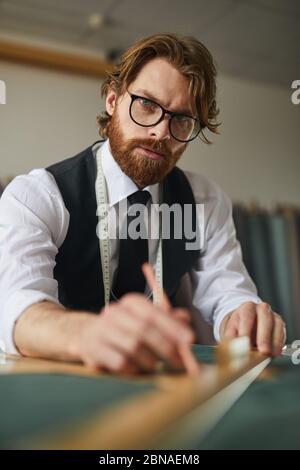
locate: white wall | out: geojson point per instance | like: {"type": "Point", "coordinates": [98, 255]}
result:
{"type": "Point", "coordinates": [50, 116]}
{"type": "Point", "coordinates": [257, 155]}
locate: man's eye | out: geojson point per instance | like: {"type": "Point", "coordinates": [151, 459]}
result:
{"type": "Point", "coordinates": [181, 118]}
{"type": "Point", "coordinates": [146, 103]}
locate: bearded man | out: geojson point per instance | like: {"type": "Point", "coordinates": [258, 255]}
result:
{"type": "Point", "coordinates": [67, 291]}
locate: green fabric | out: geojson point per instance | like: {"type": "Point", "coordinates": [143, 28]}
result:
{"type": "Point", "coordinates": [267, 416]}
{"type": "Point", "coordinates": [263, 271]}
{"type": "Point", "coordinates": [294, 251]}
{"type": "Point", "coordinates": [204, 353]}
{"type": "Point", "coordinates": [241, 221]}
{"type": "Point", "coordinates": [32, 404]}
{"type": "Point", "coordinates": [282, 270]}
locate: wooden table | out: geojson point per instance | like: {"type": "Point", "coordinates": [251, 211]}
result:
{"type": "Point", "coordinates": [163, 416]}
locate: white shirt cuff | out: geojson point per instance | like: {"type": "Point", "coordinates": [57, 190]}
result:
{"type": "Point", "coordinates": [16, 304]}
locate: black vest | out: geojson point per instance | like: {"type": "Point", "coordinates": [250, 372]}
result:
{"type": "Point", "coordinates": [78, 269]}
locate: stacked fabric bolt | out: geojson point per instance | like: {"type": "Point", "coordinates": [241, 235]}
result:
{"type": "Point", "coordinates": [270, 242]}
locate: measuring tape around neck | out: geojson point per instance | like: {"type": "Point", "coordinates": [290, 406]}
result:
{"type": "Point", "coordinates": [103, 235]}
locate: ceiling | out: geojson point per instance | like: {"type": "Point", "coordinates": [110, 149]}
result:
{"type": "Point", "coordinates": [256, 39]}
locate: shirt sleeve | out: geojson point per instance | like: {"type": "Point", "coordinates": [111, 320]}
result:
{"type": "Point", "coordinates": [33, 225]}
{"type": "Point", "coordinates": [221, 282]}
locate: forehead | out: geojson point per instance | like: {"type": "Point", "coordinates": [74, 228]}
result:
{"type": "Point", "coordinates": [165, 83]}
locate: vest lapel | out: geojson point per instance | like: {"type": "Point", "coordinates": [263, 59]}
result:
{"type": "Point", "coordinates": [177, 260]}
{"type": "Point", "coordinates": [78, 263]}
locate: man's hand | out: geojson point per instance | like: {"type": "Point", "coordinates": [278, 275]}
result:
{"type": "Point", "coordinates": [131, 335]}
{"type": "Point", "coordinates": [265, 328]}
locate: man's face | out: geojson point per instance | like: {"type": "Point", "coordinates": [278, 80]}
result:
{"type": "Point", "coordinates": [148, 154]}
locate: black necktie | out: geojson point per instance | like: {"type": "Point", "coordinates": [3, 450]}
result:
{"type": "Point", "coordinates": [132, 252]}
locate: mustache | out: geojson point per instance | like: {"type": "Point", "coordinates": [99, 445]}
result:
{"type": "Point", "coordinates": [159, 146]}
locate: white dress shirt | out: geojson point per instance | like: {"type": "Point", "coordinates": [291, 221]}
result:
{"type": "Point", "coordinates": [34, 222]}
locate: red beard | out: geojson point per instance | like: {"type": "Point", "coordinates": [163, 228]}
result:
{"type": "Point", "coordinates": [142, 170]}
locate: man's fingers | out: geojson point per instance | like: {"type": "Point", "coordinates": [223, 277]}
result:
{"type": "Point", "coordinates": [278, 335]}
{"type": "Point", "coordinates": [161, 332]}
{"type": "Point", "coordinates": [165, 348]}
{"type": "Point", "coordinates": [168, 326]}
{"type": "Point", "coordinates": [265, 326]}
{"type": "Point", "coordinates": [143, 337]}
{"type": "Point", "coordinates": [247, 320]}
{"type": "Point", "coordinates": [126, 337]}
{"type": "Point", "coordinates": [107, 357]}
{"type": "Point", "coordinates": [231, 330]}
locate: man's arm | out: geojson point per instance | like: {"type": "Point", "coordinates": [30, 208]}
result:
{"type": "Point", "coordinates": [128, 336]}
{"type": "Point", "coordinates": [47, 330]}
{"type": "Point", "coordinates": [33, 225]}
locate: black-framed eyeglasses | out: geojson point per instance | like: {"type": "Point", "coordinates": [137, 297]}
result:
{"type": "Point", "coordinates": [147, 113]}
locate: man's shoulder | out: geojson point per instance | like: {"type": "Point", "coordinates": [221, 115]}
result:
{"type": "Point", "coordinates": [217, 204]}
{"type": "Point", "coordinates": [68, 163]}
{"type": "Point", "coordinates": [32, 185]}
{"type": "Point", "coordinates": [35, 199]}
{"type": "Point", "coordinates": [204, 187]}
{"type": "Point", "coordinates": [43, 177]}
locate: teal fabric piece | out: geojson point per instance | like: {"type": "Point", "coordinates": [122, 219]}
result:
{"type": "Point", "coordinates": [204, 353]}
{"type": "Point", "coordinates": [266, 417]}
{"type": "Point", "coordinates": [33, 405]}
{"type": "Point", "coordinates": [282, 270]}
{"type": "Point", "coordinates": [294, 261]}
{"type": "Point", "coordinates": [241, 221]}
{"type": "Point", "coordinates": [262, 262]}
{"type": "Point", "coordinates": [270, 245]}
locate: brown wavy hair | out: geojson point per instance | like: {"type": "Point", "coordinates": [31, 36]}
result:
{"type": "Point", "coordinates": [188, 55]}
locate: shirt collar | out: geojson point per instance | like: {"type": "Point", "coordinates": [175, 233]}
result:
{"type": "Point", "coordinates": [119, 185]}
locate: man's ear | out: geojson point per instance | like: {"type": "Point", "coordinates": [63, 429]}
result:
{"type": "Point", "coordinates": [111, 101]}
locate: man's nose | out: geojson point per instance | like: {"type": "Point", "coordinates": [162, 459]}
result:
{"type": "Point", "coordinates": [161, 130]}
